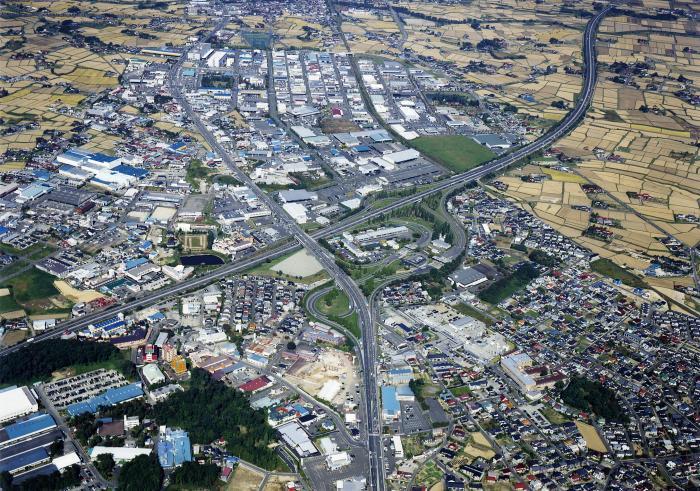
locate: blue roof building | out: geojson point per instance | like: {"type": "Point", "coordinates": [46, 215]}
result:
{"type": "Point", "coordinates": [42, 174]}
{"type": "Point", "coordinates": [35, 423]}
{"type": "Point", "coordinates": [19, 462]}
{"type": "Point", "coordinates": [110, 397]}
{"type": "Point", "coordinates": [391, 409]}
{"type": "Point", "coordinates": [132, 263]}
{"type": "Point", "coordinates": [111, 324]}
{"type": "Point", "coordinates": [103, 158]}
{"type": "Point", "coordinates": [173, 448]}
{"type": "Point", "coordinates": [131, 171]}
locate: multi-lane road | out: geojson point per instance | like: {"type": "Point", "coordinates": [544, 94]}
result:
{"type": "Point", "coordinates": [368, 354]}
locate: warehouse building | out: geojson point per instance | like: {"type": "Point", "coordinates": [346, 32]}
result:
{"type": "Point", "coordinates": [16, 402]}
{"type": "Point", "coordinates": [294, 435]}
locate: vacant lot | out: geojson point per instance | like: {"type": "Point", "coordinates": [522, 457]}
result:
{"type": "Point", "coordinates": [608, 268]}
{"type": "Point", "coordinates": [593, 440]}
{"type": "Point", "coordinates": [456, 152]}
{"type": "Point", "coordinates": [244, 479]}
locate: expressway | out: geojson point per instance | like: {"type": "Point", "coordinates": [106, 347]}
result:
{"type": "Point", "coordinates": [359, 303]}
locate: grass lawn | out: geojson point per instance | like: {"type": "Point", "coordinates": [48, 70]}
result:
{"type": "Point", "coordinates": [333, 303]}
{"type": "Point", "coordinates": [458, 153]}
{"type": "Point", "coordinates": [553, 416]}
{"type": "Point", "coordinates": [117, 363]}
{"type": "Point", "coordinates": [460, 391]}
{"type": "Point", "coordinates": [608, 268]}
{"type": "Point", "coordinates": [13, 268]}
{"type": "Point", "coordinates": [31, 285]}
{"type": "Point", "coordinates": [8, 304]}
{"type": "Point", "coordinates": [411, 446]}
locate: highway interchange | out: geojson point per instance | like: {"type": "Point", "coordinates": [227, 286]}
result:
{"type": "Point", "coordinates": [368, 349]}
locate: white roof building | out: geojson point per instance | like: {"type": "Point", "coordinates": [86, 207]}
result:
{"type": "Point", "coordinates": [16, 402]}
{"type": "Point", "coordinates": [297, 211]}
{"type": "Point", "coordinates": [338, 460]}
{"type": "Point", "coordinates": [295, 436]}
{"type": "Point", "coordinates": [402, 156]}
{"type": "Point", "coordinates": [152, 374]}
{"type": "Point", "coordinates": [120, 454]}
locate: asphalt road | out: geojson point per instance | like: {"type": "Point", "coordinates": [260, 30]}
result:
{"type": "Point", "coordinates": [358, 301]}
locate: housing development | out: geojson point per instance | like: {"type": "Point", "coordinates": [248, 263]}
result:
{"type": "Point", "coordinates": [332, 245]}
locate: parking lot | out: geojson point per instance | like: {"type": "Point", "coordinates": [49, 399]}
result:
{"type": "Point", "coordinates": [82, 387]}
{"type": "Point", "coordinates": [413, 420]}
{"type": "Point", "coordinates": [319, 474]}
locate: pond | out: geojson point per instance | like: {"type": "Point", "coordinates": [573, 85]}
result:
{"type": "Point", "coordinates": [201, 260]}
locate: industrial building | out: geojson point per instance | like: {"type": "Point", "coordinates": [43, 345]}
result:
{"type": "Point", "coordinates": [16, 402]}
{"type": "Point", "coordinates": [294, 435]}
{"type": "Point", "coordinates": [173, 447]}
{"type": "Point", "coordinates": [384, 233]}
{"type": "Point", "coordinates": [21, 430]}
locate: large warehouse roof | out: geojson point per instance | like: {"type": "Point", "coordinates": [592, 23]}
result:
{"type": "Point", "coordinates": [16, 402]}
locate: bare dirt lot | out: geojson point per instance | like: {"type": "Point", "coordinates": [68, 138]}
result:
{"type": "Point", "coordinates": [331, 365]}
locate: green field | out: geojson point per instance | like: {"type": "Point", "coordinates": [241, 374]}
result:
{"type": "Point", "coordinates": [456, 152]}
{"type": "Point", "coordinates": [334, 303]}
{"type": "Point", "coordinates": [8, 304]}
{"type": "Point", "coordinates": [474, 313]}
{"type": "Point", "coordinates": [608, 268]}
{"type": "Point", "coordinates": [460, 391]}
{"type": "Point", "coordinates": [31, 285]}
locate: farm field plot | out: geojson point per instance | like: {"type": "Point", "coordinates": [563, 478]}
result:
{"type": "Point", "coordinates": [456, 152]}
{"type": "Point", "coordinates": [516, 53]}
{"type": "Point", "coordinates": [637, 147]}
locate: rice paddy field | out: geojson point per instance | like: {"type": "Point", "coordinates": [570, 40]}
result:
{"type": "Point", "coordinates": [51, 76]}
{"type": "Point", "coordinates": [537, 65]}
{"type": "Point", "coordinates": [638, 144]}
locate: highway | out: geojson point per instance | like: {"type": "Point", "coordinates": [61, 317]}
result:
{"type": "Point", "coordinates": [368, 353]}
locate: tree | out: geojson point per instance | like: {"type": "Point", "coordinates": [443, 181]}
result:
{"type": "Point", "coordinates": [141, 474]}
{"type": "Point", "coordinates": [291, 346]}
{"type": "Point", "coordinates": [192, 474]}
{"type": "Point", "coordinates": [105, 464]}
{"type": "Point", "coordinates": [56, 448]}
{"type": "Point", "coordinates": [210, 410]}
{"type": "Point", "coordinates": [592, 396]}
{"type": "Point", "coordinates": [40, 360]}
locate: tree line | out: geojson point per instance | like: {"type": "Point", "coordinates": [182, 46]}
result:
{"type": "Point", "coordinates": [40, 360]}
